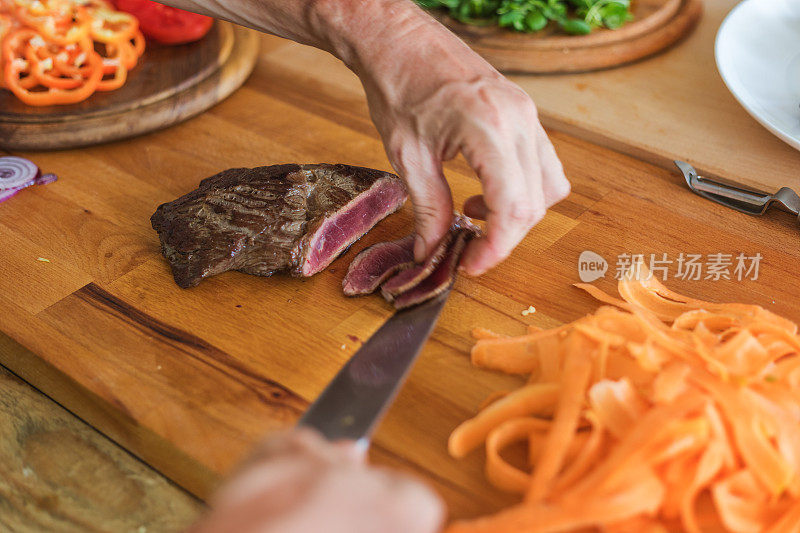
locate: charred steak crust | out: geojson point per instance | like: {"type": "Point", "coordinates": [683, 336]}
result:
{"type": "Point", "coordinates": [270, 219]}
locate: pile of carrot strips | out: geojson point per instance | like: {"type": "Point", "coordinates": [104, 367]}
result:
{"type": "Point", "coordinates": [56, 52]}
{"type": "Point", "coordinates": [656, 413]}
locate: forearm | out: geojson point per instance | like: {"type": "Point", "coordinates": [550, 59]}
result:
{"type": "Point", "coordinates": [291, 19]}
{"type": "Point", "coordinates": [378, 39]}
{"type": "Point", "coordinates": [346, 28]}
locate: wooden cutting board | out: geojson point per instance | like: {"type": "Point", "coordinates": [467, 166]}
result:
{"type": "Point", "coordinates": [189, 380]}
{"type": "Point", "coordinates": [170, 84]}
{"type": "Point", "coordinates": [656, 25]}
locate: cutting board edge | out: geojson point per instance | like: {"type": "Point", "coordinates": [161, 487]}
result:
{"type": "Point", "coordinates": [138, 440]}
{"type": "Point", "coordinates": [648, 154]}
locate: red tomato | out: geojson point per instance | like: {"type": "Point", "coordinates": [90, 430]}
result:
{"type": "Point", "coordinates": [167, 25]}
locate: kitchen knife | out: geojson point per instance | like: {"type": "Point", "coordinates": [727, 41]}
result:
{"type": "Point", "coordinates": [353, 403]}
{"type": "Point", "coordinates": [745, 200]}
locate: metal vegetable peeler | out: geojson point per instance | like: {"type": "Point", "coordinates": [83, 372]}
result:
{"type": "Point", "coordinates": [744, 200]}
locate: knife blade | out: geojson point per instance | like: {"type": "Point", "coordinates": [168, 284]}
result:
{"type": "Point", "coordinates": [741, 199]}
{"type": "Point", "coordinates": [355, 400]}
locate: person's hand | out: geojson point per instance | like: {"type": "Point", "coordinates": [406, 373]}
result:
{"type": "Point", "coordinates": [432, 97]}
{"type": "Point", "coordinates": [296, 482]}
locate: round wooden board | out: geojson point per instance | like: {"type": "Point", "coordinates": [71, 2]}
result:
{"type": "Point", "coordinates": [170, 84]}
{"type": "Point", "coordinates": [657, 24]}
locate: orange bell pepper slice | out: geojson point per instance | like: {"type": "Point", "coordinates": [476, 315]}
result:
{"type": "Point", "coordinates": [53, 96]}
{"type": "Point", "coordinates": [63, 28]}
{"type": "Point", "coordinates": [109, 26]}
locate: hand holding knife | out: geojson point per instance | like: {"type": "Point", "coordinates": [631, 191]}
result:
{"type": "Point", "coordinates": [299, 480]}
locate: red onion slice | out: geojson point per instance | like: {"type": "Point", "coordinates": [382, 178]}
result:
{"type": "Point", "coordinates": [5, 195]}
{"type": "Point", "coordinates": [16, 172]}
{"type": "Point", "coordinates": [44, 179]}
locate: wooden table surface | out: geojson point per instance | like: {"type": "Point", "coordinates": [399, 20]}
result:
{"type": "Point", "coordinates": [672, 106]}
{"type": "Point", "coordinates": [57, 474]}
{"type": "Point", "coordinates": [189, 380]}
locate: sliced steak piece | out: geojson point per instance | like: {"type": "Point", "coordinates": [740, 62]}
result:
{"type": "Point", "coordinates": [442, 276]}
{"type": "Point", "coordinates": [263, 220]}
{"type": "Point", "coordinates": [376, 264]}
{"type": "Point", "coordinates": [409, 278]}
{"type": "Point", "coordinates": [413, 274]}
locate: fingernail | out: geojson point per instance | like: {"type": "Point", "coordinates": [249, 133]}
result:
{"type": "Point", "coordinates": [419, 249]}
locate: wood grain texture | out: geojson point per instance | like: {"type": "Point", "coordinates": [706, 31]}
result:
{"type": "Point", "coordinates": [57, 474]}
{"type": "Point", "coordinates": [190, 379]}
{"type": "Point", "coordinates": [657, 24]}
{"type": "Point", "coordinates": [170, 84]}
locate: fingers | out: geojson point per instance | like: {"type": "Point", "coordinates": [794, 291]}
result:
{"type": "Point", "coordinates": [554, 183]}
{"type": "Point", "coordinates": [406, 492]}
{"type": "Point", "coordinates": [429, 191]}
{"type": "Point", "coordinates": [510, 213]}
{"type": "Point", "coordinates": [298, 441]}
{"type": "Point", "coordinates": [514, 203]}
{"type": "Point", "coordinates": [281, 456]}
{"type": "Point", "coordinates": [353, 451]}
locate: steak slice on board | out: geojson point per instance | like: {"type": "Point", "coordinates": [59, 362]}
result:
{"type": "Point", "coordinates": [408, 278]}
{"type": "Point", "coordinates": [412, 283]}
{"type": "Point", "coordinates": [442, 277]}
{"type": "Point", "coordinates": [376, 264]}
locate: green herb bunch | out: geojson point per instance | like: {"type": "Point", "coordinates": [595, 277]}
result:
{"type": "Point", "coordinates": [577, 17]}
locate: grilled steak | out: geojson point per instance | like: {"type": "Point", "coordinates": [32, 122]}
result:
{"type": "Point", "coordinates": [412, 284]}
{"type": "Point", "coordinates": [411, 275]}
{"type": "Point", "coordinates": [263, 220]}
{"type": "Point", "coordinates": [409, 278]}
{"type": "Point", "coordinates": [440, 279]}
{"type": "Point", "coordinates": [376, 264]}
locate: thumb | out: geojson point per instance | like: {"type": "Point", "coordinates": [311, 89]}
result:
{"type": "Point", "coordinates": [430, 196]}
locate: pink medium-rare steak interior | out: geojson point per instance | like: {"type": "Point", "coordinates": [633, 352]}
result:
{"type": "Point", "coordinates": [376, 264]}
{"type": "Point", "coordinates": [349, 224]}
{"type": "Point", "coordinates": [411, 284]}
{"type": "Point", "coordinates": [440, 279]}
{"type": "Point", "coordinates": [409, 278]}
{"type": "Point", "coordinates": [261, 220]}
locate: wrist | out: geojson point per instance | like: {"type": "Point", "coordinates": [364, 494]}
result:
{"type": "Point", "coordinates": [361, 32]}
{"type": "Point", "coordinates": [400, 53]}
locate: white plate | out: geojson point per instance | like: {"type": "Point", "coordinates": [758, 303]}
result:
{"type": "Point", "coordinates": [758, 56]}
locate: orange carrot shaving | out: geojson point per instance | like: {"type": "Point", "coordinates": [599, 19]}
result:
{"type": "Point", "coordinates": [658, 412]}
{"type": "Point", "coordinates": [502, 474]}
{"type": "Point", "coordinates": [537, 399]}
{"type": "Point", "coordinates": [574, 381]}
